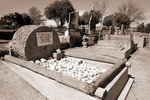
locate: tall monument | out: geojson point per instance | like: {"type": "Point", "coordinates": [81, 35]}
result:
{"type": "Point", "coordinates": [113, 23]}
{"type": "Point", "coordinates": [73, 20]}
{"type": "Point", "coordinates": [92, 23]}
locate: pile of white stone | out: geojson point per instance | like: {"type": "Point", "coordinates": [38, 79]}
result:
{"type": "Point", "coordinates": [74, 68]}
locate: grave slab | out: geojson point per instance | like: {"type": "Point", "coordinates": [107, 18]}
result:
{"type": "Point", "coordinates": [140, 40]}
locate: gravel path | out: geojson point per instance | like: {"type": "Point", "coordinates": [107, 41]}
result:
{"type": "Point", "coordinates": [13, 87]}
{"type": "Point", "coordinates": [140, 70]}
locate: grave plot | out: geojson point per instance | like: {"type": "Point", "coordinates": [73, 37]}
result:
{"type": "Point", "coordinates": [81, 74]}
{"type": "Point", "coordinates": [72, 36]}
{"type": "Point", "coordinates": [140, 40]}
{"type": "Point", "coordinates": [119, 46]}
{"type": "Point", "coordinates": [81, 69]}
{"type": "Point", "coordinates": [94, 78]}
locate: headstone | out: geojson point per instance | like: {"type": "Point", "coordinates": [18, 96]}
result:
{"type": "Point", "coordinates": [34, 42]}
{"type": "Point", "coordinates": [113, 24]}
{"type": "Point", "coordinates": [112, 30]}
{"type": "Point", "coordinates": [114, 20]}
{"type": "Point", "coordinates": [131, 35]}
{"type": "Point", "coordinates": [122, 32]}
{"type": "Point", "coordinates": [67, 32]}
{"type": "Point", "coordinates": [116, 31]}
{"type": "Point", "coordinates": [108, 35]}
{"type": "Point", "coordinates": [73, 20]}
{"type": "Point", "coordinates": [92, 24]}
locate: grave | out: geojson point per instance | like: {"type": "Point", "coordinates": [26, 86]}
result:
{"type": "Point", "coordinates": [114, 78]}
{"type": "Point", "coordinates": [104, 78]}
{"type": "Point", "coordinates": [73, 33]}
{"type": "Point", "coordinates": [140, 40]}
{"type": "Point", "coordinates": [90, 37]}
{"type": "Point", "coordinates": [120, 45]}
{"type": "Point", "coordinates": [117, 42]}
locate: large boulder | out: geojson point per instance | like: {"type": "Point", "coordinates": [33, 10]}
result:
{"type": "Point", "coordinates": [34, 42]}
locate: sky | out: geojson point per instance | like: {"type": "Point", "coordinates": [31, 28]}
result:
{"type": "Point", "coordinates": [22, 6]}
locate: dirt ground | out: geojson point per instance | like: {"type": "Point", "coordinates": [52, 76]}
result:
{"type": "Point", "coordinates": [12, 87]}
{"type": "Point", "coordinates": [140, 70]}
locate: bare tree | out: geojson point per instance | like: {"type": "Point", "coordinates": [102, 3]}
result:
{"type": "Point", "coordinates": [133, 11]}
{"type": "Point", "coordinates": [101, 7]}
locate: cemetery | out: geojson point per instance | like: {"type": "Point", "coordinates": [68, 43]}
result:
{"type": "Point", "coordinates": [75, 63]}
{"type": "Point", "coordinates": [37, 48]}
{"type": "Point", "coordinates": [42, 55]}
{"type": "Point", "coordinates": [69, 59]}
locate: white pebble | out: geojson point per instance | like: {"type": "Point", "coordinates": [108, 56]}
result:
{"type": "Point", "coordinates": [103, 70]}
{"type": "Point", "coordinates": [31, 61]}
{"type": "Point", "coordinates": [37, 62]}
{"type": "Point", "coordinates": [73, 68]}
{"type": "Point", "coordinates": [89, 81]}
{"type": "Point", "coordinates": [43, 60]}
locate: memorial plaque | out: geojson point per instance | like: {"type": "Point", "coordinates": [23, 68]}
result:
{"type": "Point", "coordinates": [44, 38]}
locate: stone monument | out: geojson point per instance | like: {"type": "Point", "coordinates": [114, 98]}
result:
{"type": "Point", "coordinates": [34, 42]}
{"type": "Point", "coordinates": [92, 24]}
{"type": "Point", "coordinates": [73, 20]}
{"type": "Point", "coordinates": [122, 31]}
{"type": "Point", "coordinates": [74, 34]}
{"type": "Point", "coordinates": [113, 23]}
